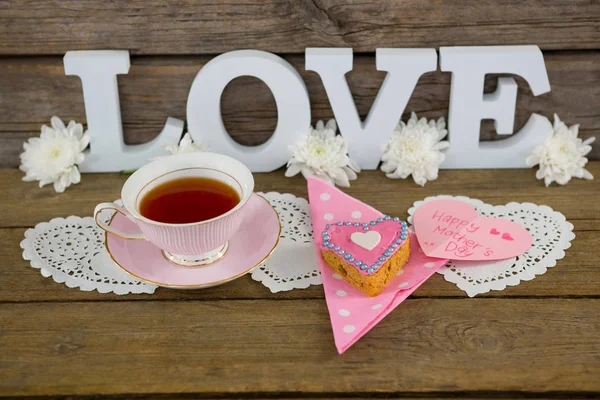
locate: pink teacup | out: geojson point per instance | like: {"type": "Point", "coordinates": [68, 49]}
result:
{"type": "Point", "coordinates": [192, 244]}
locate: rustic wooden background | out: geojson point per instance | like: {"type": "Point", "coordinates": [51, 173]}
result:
{"type": "Point", "coordinates": [169, 41]}
{"type": "Point", "coordinates": [535, 340]}
{"type": "Point", "coordinates": [538, 340]}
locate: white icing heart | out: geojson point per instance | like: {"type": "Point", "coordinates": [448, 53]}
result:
{"type": "Point", "coordinates": [366, 240]}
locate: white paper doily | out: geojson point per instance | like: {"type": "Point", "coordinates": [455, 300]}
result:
{"type": "Point", "coordinates": [551, 233]}
{"type": "Point", "coordinates": [294, 264]}
{"type": "Point", "coordinates": [71, 251]}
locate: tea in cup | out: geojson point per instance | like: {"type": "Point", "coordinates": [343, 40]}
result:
{"type": "Point", "coordinates": [189, 205]}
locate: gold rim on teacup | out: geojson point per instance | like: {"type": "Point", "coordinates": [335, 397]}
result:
{"type": "Point", "coordinates": [205, 285]}
{"type": "Point", "coordinates": [190, 244]}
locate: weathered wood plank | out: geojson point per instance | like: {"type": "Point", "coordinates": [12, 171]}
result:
{"type": "Point", "coordinates": [395, 396]}
{"type": "Point", "coordinates": [338, 396]}
{"type": "Point", "coordinates": [225, 347]}
{"type": "Point", "coordinates": [208, 27]}
{"type": "Point", "coordinates": [157, 88]}
{"type": "Point", "coordinates": [577, 200]}
{"type": "Point", "coordinates": [576, 276]}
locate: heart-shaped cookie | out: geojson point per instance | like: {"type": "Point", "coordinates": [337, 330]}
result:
{"type": "Point", "coordinates": [366, 245]}
{"type": "Point", "coordinates": [452, 229]}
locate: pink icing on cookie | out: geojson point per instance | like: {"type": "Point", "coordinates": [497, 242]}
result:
{"type": "Point", "coordinates": [337, 237]}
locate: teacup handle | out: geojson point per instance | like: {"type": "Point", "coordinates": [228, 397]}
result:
{"type": "Point", "coordinates": [105, 227]}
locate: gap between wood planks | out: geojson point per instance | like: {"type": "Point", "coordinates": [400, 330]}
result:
{"type": "Point", "coordinates": [217, 299]}
{"type": "Point", "coordinates": [25, 205]}
{"type": "Point", "coordinates": [151, 27]}
{"type": "Point", "coordinates": [474, 395]}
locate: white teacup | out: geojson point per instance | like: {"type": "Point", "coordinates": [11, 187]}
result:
{"type": "Point", "coordinates": [191, 244]}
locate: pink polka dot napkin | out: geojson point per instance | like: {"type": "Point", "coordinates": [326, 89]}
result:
{"type": "Point", "coordinates": [352, 312]}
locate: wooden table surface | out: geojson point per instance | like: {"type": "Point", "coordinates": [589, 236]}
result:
{"type": "Point", "coordinates": [539, 339]}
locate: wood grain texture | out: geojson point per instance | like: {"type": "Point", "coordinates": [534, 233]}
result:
{"type": "Point", "coordinates": [535, 340]}
{"type": "Point", "coordinates": [157, 87]}
{"type": "Point", "coordinates": [538, 339]}
{"type": "Point", "coordinates": [286, 346]}
{"type": "Point", "coordinates": [329, 396]}
{"type": "Point", "coordinates": [334, 396]}
{"type": "Point", "coordinates": [575, 276]}
{"type": "Point", "coordinates": [577, 200]}
{"type": "Point", "coordinates": [210, 27]}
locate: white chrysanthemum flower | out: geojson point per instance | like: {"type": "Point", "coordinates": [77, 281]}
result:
{"type": "Point", "coordinates": [323, 154]}
{"type": "Point", "coordinates": [562, 155]}
{"type": "Point", "coordinates": [53, 157]}
{"type": "Point", "coordinates": [186, 145]}
{"type": "Point", "coordinates": [415, 148]}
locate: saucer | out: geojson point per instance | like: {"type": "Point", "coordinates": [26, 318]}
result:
{"type": "Point", "coordinates": [251, 245]}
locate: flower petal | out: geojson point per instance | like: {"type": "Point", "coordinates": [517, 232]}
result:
{"type": "Point", "coordinates": [442, 133]}
{"type": "Point", "coordinates": [79, 159]}
{"type": "Point", "coordinates": [431, 172]}
{"type": "Point", "coordinates": [293, 169]}
{"type": "Point", "coordinates": [306, 172]}
{"type": "Point", "coordinates": [47, 133]}
{"type": "Point", "coordinates": [84, 142]}
{"type": "Point", "coordinates": [186, 140]}
{"type": "Point", "coordinates": [441, 146]}
{"type": "Point", "coordinates": [557, 122]}
{"type": "Point", "coordinates": [389, 167]}
{"type": "Point", "coordinates": [574, 129]}
{"type": "Point", "coordinates": [57, 123]}
{"type": "Point", "coordinates": [403, 173]}
{"type": "Point", "coordinates": [589, 140]}
{"type": "Point", "coordinates": [171, 148]}
{"type": "Point", "coordinates": [75, 129]}
{"type": "Point", "coordinates": [539, 174]}
{"type": "Point", "coordinates": [532, 160]}
{"type": "Point", "coordinates": [419, 180]}
{"type": "Point", "coordinates": [59, 187]}
{"type": "Point", "coordinates": [584, 149]}
{"type": "Point", "coordinates": [351, 174]}
{"type": "Point", "coordinates": [441, 123]}
{"type": "Point", "coordinates": [46, 130]}
{"type": "Point", "coordinates": [354, 166]}
{"type": "Point", "coordinates": [413, 118]}
{"type": "Point", "coordinates": [331, 124]}
{"type": "Point", "coordinates": [563, 179]}
{"type": "Point", "coordinates": [587, 175]}
{"type": "Point", "coordinates": [341, 179]}
{"type": "Point", "coordinates": [74, 175]}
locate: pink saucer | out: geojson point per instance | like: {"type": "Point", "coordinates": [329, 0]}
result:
{"type": "Point", "coordinates": [250, 246]}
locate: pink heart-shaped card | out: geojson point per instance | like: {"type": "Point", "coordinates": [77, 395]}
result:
{"type": "Point", "coordinates": [452, 229]}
